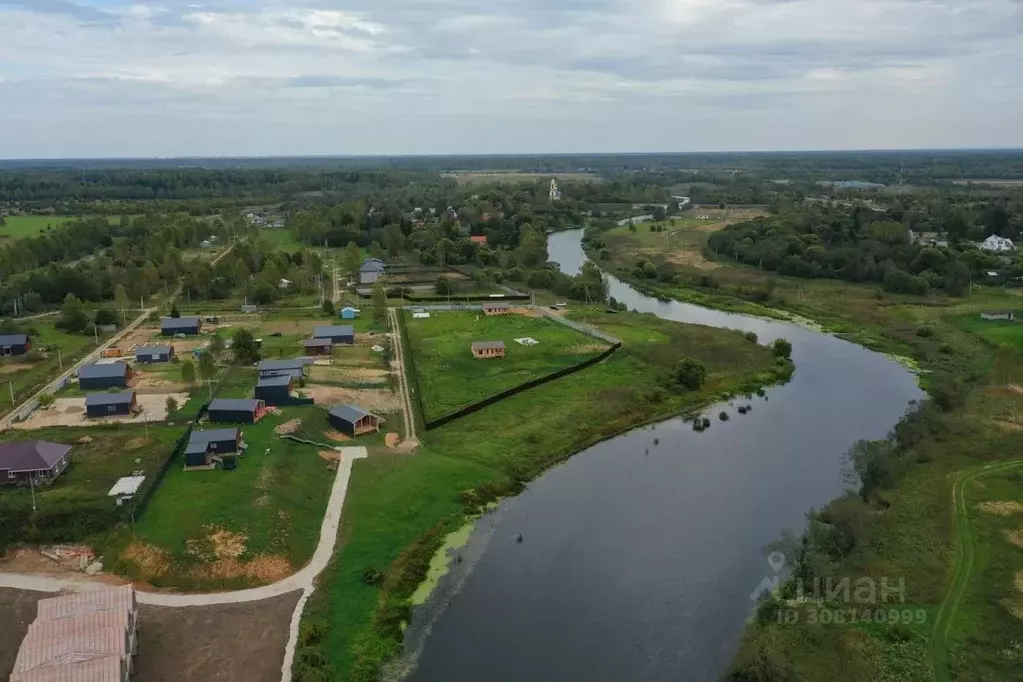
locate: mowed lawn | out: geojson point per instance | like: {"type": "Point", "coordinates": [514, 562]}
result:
{"type": "Point", "coordinates": [21, 226]}
{"type": "Point", "coordinates": [25, 378]}
{"type": "Point", "coordinates": [450, 377]}
{"type": "Point", "coordinates": [267, 511]}
{"type": "Point", "coordinates": [996, 331]}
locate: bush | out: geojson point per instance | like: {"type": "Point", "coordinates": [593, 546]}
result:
{"type": "Point", "coordinates": [47, 399]}
{"type": "Point", "coordinates": [172, 405]}
{"type": "Point", "coordinates": [723, 416]}
{"type": "Point", "coordinates": [751, 336]}
{"type": "Point", "coordinates": [782, 348]}
{"type": "Point", "coordinates": [691, 373]}
{"type": "Point", "coordinates": [34, 355]}
{"type": "Point", "coordinates": [925, 331]}
{"type": "Point", "coordinates": [372, 576]}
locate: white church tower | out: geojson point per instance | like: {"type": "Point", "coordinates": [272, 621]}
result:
{"type": "Point", "coordinates": [555, 193]}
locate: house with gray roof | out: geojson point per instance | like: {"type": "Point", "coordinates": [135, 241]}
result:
{"type": "Point", "coordinates": [38, 460]}
{"type": "Point", "coordinates": [352, 420]}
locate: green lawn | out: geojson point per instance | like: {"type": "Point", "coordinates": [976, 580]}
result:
{"type": "Point", "coordinates": [448, 375]}
{"type": "Point", "coordinates": [274, 501]}
{"type": "Point", "coordinates": [21, 226]}
{"type": "Point", "coordinates": [25, 378]}
{"type": "Point", "coordinates": [996, 331]}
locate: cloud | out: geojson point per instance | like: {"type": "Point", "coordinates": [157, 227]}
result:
{"type": "Point", "coordinates": [393, 76]}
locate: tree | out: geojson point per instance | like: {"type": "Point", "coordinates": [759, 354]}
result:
{"type": "Point", "coordinates": [121, 301]}
{"type": "Point", "coordinates": [105, 316]}
{"type": "Point", "coordinates": [782, 348]}
{"type": "Point", "coordinates": [207, 366]}
{"type": "Point", "coordinates": [172, 405]}
{"type": "Point", "coordinates": [174, 310]}
{"type": "Point", "coordinates": [72, 315]}
{"type": "Point", "coordinates": [351, 261]}
{"type": "Point", "coordinates": [394, 240]}
{"type": "Point", "coordinates": [957, 278]}
{"type": "Point", "coordinates": [244, 347]}
{"type": "Point", "coordinates": [217, 344]}
{"type": "Point", "coordinates": [379, 300]}
{"type": "Point", "coordinates": [1006, 360]}
{"type": "Point", "coordinates": [188, 371]}
{"type": "Point", "coordinates": [869, 463]}
{"type": "Point", "coordinates": [443, 287]}
{"type": "Point", "coordinates": [328, 307]}
{"type": "Point", "coordinates": [690, 372]}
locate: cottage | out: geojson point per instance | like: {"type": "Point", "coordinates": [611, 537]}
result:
{"type": "Point", "coordinates": [14, 344]}
{"type": "Point", "coordinates": [38, 460]}
{"type": "Point", "coordinates": [495, 308]}
{"type": "Point", "coordinates": [353, 421]}
{"type": "Point", "coordinates": [275, 390]}
{"type": "Point", "coordinates": [998, 315]}
{"type": "Point", "coordinates": [273, 368]}
{"type": "Point", "coordinates": [233, 411]}
{"type": "Point", "coordinates": [203, 446]}
{"type": "Point", "coordinates": [487, 349]}
{"type": "Point", "coordinates": [153, 354]}
{"type": "Point", "coordinates": [111, 404]}
{"type": "Point", "coordinates": [372, 269]}
{"type": "Point", "coordinates": [349, 313]}
{"type": "Point", "coordinates": [340, 333]}
{"type": "Point", "coordinates": [102, 376]}
{"type": "Point", "coordinates": [318, 346]}
{"type": "Point", "coordinates": [189, 326]}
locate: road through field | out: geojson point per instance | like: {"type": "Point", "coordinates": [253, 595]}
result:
{"type": "Point", "coordinates": [403, 387]}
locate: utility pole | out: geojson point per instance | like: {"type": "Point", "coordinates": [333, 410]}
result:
{"type": "Point", "coordinates": [60, 360]}
{"type": "Point", "coordinates": [10, 385]}
{"type": "Point", "coordinates": [32, 485]}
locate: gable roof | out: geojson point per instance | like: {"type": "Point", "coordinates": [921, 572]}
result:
{"type": "Point", "coordinates": [234, 404]}
{"type": "Point", "coordinates": [348, 307]}
{"type": "Point", "coordinates": [293, 363]}
{"type": "Point", "coordinates": [31, 455]}
{"type": "Point", "coordinates": [104, 371]}
{"type": "Point", "coordinates": [106, 599]}
{"type": "Point", "coordinates": [213, 434]}
{"type": "Point", "coordinates": [13, 339]}
{"type": "Point", "coordinates": [334, 330]}
{"type": "Point", "coordinates": [494, 304]}
{"type": "Point", "coordinates": [317, 343]}
{"type": "Point", "coordinates": [478, 239]}
{"type": "Point", "coordinates": [110, 398]}
{"type": "Point", "coordinates": [280, 380]}
{"type": "Point", "coordinates": [372, 265]}
{"type": "Point", "coordinates": [153, 350]}
{"type": "Point", "coordinates": [179, 322]}
{"type": "Point", "coordinates": [484, 345]}
{"type": "Point", "coordinates": [348, 413]}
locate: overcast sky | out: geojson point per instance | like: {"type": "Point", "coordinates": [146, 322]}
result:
{"type": "Point", "coordinates": [101, 78]}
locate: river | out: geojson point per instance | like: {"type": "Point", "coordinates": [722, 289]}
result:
{"type": "Point", "coordinates": [637, 559]}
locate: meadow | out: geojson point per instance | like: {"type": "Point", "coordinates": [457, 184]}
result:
{"type": "Point", "coordinates": [21, 226]}
{"type": "Point", "coordinates": [23, 378]}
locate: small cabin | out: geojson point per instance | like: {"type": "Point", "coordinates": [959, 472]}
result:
{"type": "Point", "coordinates": [349, 313]}
{"type": "Point", "coordinates": [111, 404]}
{"type": "Point", "coordinates": [14, 344]}
{"type": "Point", "coordinates": [998, 315]}
{"type": "Point", "coordinates": [102, 376]}
{"type": "Point", "coordinates": [338, 333]}
{"type": "Point", "coordinates": [487, 349]}
{"type": "Point", "coordinates": [318, 346]}
{"type": "Point", "coordinates": [275, 390]}
{"type": "Point", "coordinates": [189, 326]}
{"type": "Point", "coordinates": [236, 411]}
{"type": "Point", "coordinates": [273, 368]}
{"type": "Point", "coordinates": [149, 355]}
{"type": "Point", "coordinates": [203, 446]}
{"type": "Point", "coordinates": [353, 421]}
{"type": "Point", "coordinates": [492, 308]}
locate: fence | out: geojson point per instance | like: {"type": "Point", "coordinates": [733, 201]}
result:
{"type": "Point", "coordinates": [578, 326]}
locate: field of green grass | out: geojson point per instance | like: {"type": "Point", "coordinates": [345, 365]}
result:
{"type": "Point", "coordinates": [272, 506]}
{"type": "Point", "coordinates": [450, 377]}
{"type": "Point", "coordinates": [996, 331]}
{"type": "Point", "coordinates": [25, 378]}
{"type": "Point", "coordinates": [21, 226]}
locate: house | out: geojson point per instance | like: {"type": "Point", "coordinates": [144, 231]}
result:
{"type": "Point", "coordinates": [487, 349]}
{"type": "Point", "coordinates": [318, 346]}
{"type": "Point", "coordinates": [275, 390]}
{"type": "Point", "coordinates": [111, 404]}
{"type": "Point", "coordinates": [272, 368]}
{"type": "Point", "coordinates": [998, 315]}
{"type": "Point", "coordinates": [338, 333]}
{"type": "Point", "coordinates": [189, 326]}
{"type": "Point", "coordinates": [203, 446]}
{"type": "Point", "coordinates": [492, 308]}
{"type": "Point", "coordinates": [372, 269]}
{"type": "Point", "coordinates": [233, 411]}
{"type": "Point", "coordinates": [249, 308]}
{"type": "Point", "coordinates": [996, 244]}
{"type": "Point", "coordinates": [14, 344]}
{"type": "Point", "coordinates": [349, 313]}
{"type": "Point", "coordinates": [353, 421]}
{"type": "Point", "coordinates": [32, 459]}
{"type": "Point", "coordinates": [478, 239]}
{"type": "Point", "coordinates": [102, 376]}
{"type": "Point", "coordinates": [125, 489]}
{"type": "Point", "coordinates": [152, 354]}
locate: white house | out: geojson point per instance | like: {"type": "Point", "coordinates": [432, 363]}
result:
{"type": "Point", "coordinates": [997, 244]}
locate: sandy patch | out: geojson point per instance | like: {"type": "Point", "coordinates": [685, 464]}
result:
{"type": "Point", "coordinates": [371, 399]}
{"type": "Point", "coordinates": [150, 382]}
{"type": "Point", "coordinates": [337, 436]}
{"type": "Point", "coordinates": [407, 446]}
{"type": "Point", "coordinates": [1015, 537]}
{"type": "Point", "coordinates": [71, 412]}
{"type": "Point", "coordinates": [261, 502]}
{"type": "Point", "coordinates": [347, 373]}
{"type": "Point", "coordinates": [690, 256]}
{"type": "Point", "coordinates": [151, 561]}
{"type": "Point", "coordinates": [525, 312]}
{"type": "Point", "coordinates": [287, 427]}
{"type": "Point", "coordinates": [329, 455]}
{"type": "Point", "coordinates": [392, 439]}
{"type": "Point", "coordinates": [136, 443]}
{"type": "Point", "coordinates": [292, 327]}
{"type": "Point", "coordinates": [1000, 508]}
{"type": "Point", "coordinates": [13, 368]}
{"type": "Point", "coordinates": [263, 568]}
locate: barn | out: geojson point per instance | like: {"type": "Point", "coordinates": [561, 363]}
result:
{"type": "Point", "coordinates": [275, 390]}
{"type": "Point", "coordinates": [189, 326]}
{"type": "Point", "coordinates": [153, 354]}
{"type": "Point", "coordinates": [338, 333]}
{"type": "Point", "coordinates": [274, 368]}
{"type": "Point", "coordinates": [204, 445]}
{"type": "Point", "coordinates": [236, 411]}
{"type": "Point", "coordinates": [14, 344]}
{"type": "Point", "coordinates": [352, 420]}
{"type": "Point", "coordinates": [111, 404]}
{"type": "Point", "coordinates": [99, 377]}
{"type": "Point", "coordinates": [318, 346]}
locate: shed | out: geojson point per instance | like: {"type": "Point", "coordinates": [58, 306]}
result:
{"type": "Point", "coordinates": [487, 349]}
{"type": "Point", "coordinates": [99, 377]}
{"type": "Point", "coordinates": [153, 354]}
{"type": "Point", "coordinates": [998, 315]}
{"type": "Point", "coordinates": [234, 411]}
{"type": "Point", "coordinates": [272, 368]}
{"type": "Point", "coordinates": [495, 308]}
{"type": "Point", "coordinates": [126, 488]}
{"type": "Point", "coordinates": [275, 390]}
{"type": "Point", "coordinates": [352, 420]}
{"type": "Point", "coordinates": [338, 333]}
{"type": "Point", "coordinates": [349, 313]}
{"type": "Point", "coordinates": [249, 308]}
{"type": "Point", "coordinates": [14, 344]}
{"type": "Point", "coordinates": [318, 346]}
{"type": "Point", "coordinates": [190, 326]}
{"type": "Point", "coordinates": [111, 404]}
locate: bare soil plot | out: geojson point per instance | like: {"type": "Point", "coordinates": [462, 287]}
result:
{"type": "Point", "coordinates": [71, 412]}
{"type": "Point", "coordinates": [14, 368]}
{"type": "Point", "coordinates": [158, 382]}
{"type": "Point", "coordinates": [223, 643]}
{"type": "Point", "coordinates": [17, 611]}
{"type": "Point", "coordinates": [141, 336]}
{"type": "Point", "coordinates": [300, 327]}
{"type": "Point", "coordinates": [375, 400]}
{"type": "Point", "coordinates": [341, 373]}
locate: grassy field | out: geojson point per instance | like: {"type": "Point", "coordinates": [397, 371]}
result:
{"type": "Point", "coordinates": [995, 331]}
{"type": "Point", "coordinates": [25, 378]}
{"type": "Point", "coordinates": [224, 529]}
{"type": "Point", "coordinates": [399, 508]}
{"type": "Point", "coordinates": [21, 226]}
{"type": "Point", "coordinates": [449, 377]}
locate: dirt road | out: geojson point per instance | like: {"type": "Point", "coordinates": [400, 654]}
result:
{"type": "Point", "coordinates": [399, 365]}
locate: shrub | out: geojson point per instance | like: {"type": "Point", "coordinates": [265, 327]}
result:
{"type": "Point", "coordinates": [691, 373]}
{"type": "Point", "coordinates": [172, 405]}
{"type": "Point", "coordinates": [723, 416]}
{"type": "Point", "coordinates": [924, 331]}
{"type": "Point", "coordinates": [751, 336]}
{"type": "Point", "coordinates": [34, 355]}
{"type": "Point", "coordinates": [782, 348]}
{"type": "Point", "coordinates": [372, 576]}
{"type": "Point", "coordinates": [47, 399]}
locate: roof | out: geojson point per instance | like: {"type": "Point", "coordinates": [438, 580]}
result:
{"type": "Point", "coordinates": [124, 398]}
{"type": "Point", "coordinates": [478, 238]}
{"type": "Point", "coordinates": [129, 485]}
{"type": "Point", "coordinates": [13, 339]}
{"type": "Point", "coordinates": [494, 304]}
{"type": "Point", "coordinates": [280, 380]}
{"type": "Point", "coordinates": [334, 330]}
{"type": "Point", "coordinates": [293, 363]}
{"type": "Point", "coordinates": [106, 599]}
{"type": "Point", "coordinates": [103, 371]}
{"type": "Point", "coordinates": [101, 669]}
{"type": "Point", "coordinates": [348, 307]}
{"type": "Point", "coordinates": [483, 345]}
{"type": "Point", "coordinates": [372, 266]}
{"type": "Point", "coordinates": [31, 455]}
{"type": "Point", "coordinates": [213, 434]}
{"type": "Point", "coordinates": [234, 405]}
{"type": "Point", "coordinates": [179, 322]}
{"type": "Point", "coordinates": [997, 312]}
{"type": "Point", "coordinates": [52, 644]}
{"type": "Point", "coordinates": [348, 413]}
{"type": "Point", "coordinates": [317, 343]}
{"type": "Point", "coordinates": [195, 447]}
{"type": "Point", "coordinates": [153, 350]}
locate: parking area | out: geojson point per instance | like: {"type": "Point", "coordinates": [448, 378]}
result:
{"type": "Point", "coordinates": [71, 412]}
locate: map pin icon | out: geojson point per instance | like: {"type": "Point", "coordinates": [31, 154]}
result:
{"type": "Point", "coordinates": [776, 560]}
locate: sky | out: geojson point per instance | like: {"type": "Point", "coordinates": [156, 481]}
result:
{"type": "Point", "coordinates": [106, 78]}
